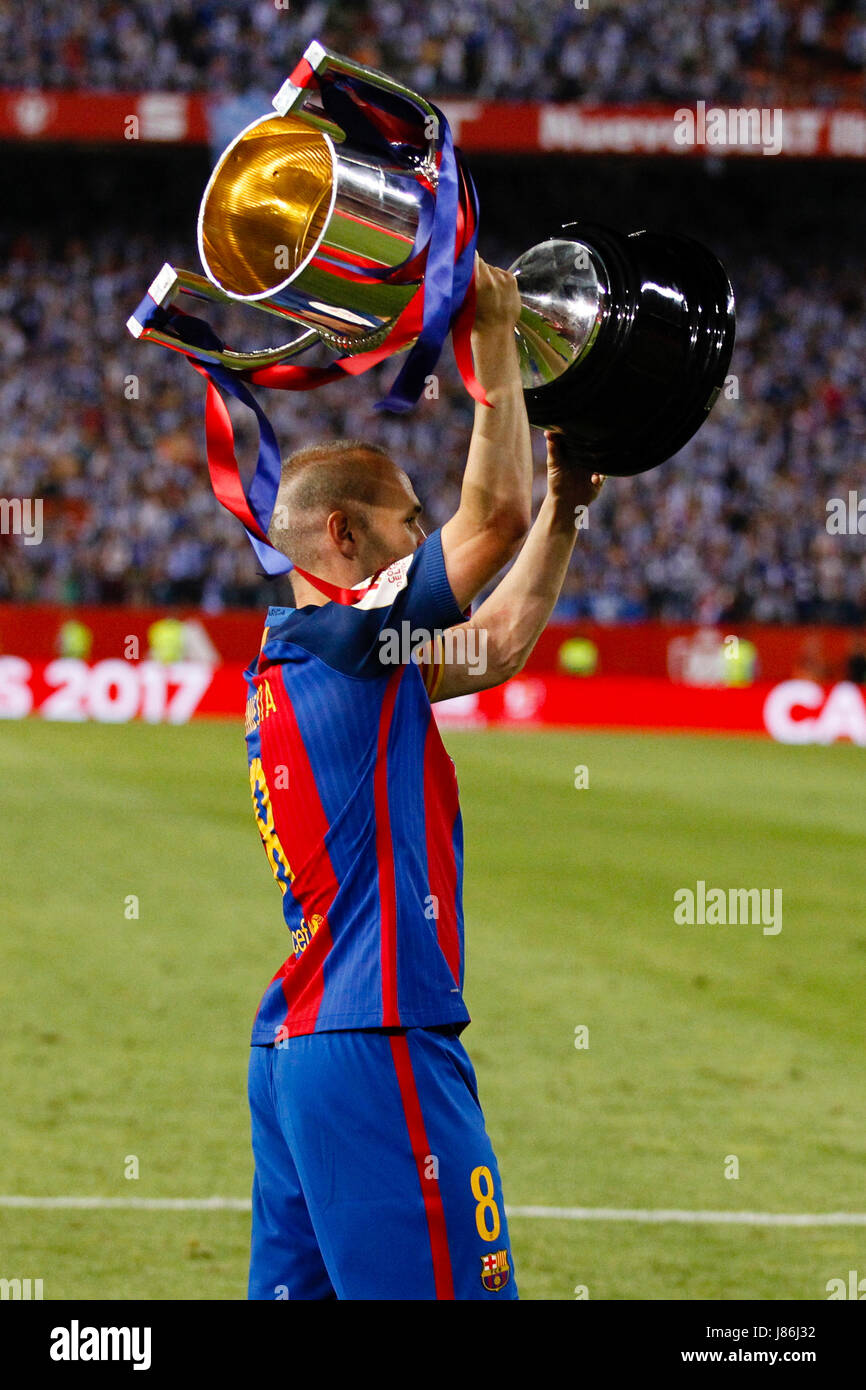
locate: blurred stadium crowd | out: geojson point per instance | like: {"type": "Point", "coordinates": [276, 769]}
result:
{"type": "Point", "coordinates": [109, 433]}
{"type": "Point", "coordinates": [593, 50]}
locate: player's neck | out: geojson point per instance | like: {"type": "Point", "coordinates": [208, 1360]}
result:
{"type": "Point", "coordinates": [321, 588]}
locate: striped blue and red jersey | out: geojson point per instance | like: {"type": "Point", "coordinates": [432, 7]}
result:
{"type": "Point", "coordinates": [356, 802]}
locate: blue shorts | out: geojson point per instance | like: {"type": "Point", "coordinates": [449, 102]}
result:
{"type": "Point", "coordinates": [374, 1175]}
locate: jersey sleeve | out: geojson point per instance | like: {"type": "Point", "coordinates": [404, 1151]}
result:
{"type": "Point", "coordinates": [433, 666]}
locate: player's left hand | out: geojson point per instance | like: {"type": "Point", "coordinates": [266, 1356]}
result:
{"type": "Point", "coordinates": [565, 482]}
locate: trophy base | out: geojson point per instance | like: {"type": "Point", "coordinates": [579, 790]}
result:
{"type": "Point", "coordinates": [657, 362]}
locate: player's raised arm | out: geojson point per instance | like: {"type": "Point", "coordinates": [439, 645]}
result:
{"type": "Point", "coordinates": [497, 640]}
{"type": "Point", "coordinates": [496, 496]}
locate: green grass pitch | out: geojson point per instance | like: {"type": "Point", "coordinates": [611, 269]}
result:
{"type": "Point", "coordinates": [127, 1037]}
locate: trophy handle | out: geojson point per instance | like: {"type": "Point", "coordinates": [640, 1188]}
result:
{"type": "Point", "coordinates": [164, 290]}
{"type": "Point", "coordinates": [293, 99]}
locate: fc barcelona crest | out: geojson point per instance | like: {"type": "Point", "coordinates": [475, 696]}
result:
{"type": "Point", "coordinates": [494, 1271]}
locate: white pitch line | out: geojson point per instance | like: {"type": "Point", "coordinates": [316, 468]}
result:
{"type": "Point", "coordinates": [138, 1203]}
{"type": "Point", "coordinates": [722, 1218]}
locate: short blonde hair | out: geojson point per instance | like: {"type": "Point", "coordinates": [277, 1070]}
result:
{"type": "Point", "coordinates": [340, 474]}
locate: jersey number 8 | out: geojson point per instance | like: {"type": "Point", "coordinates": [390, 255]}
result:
{"type": "Point", "coordinates": [484, 1197]}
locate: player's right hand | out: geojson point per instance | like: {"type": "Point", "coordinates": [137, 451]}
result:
{"type": "Point", "coordinates": [497, 300]}
{"type": "Point", "coordinates": [567, 481]}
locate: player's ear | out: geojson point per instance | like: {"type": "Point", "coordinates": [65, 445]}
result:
{"type": "Point", "coordinates": [342, 533]}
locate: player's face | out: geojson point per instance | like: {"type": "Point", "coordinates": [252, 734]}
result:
{"type": "Point", "coordinates": [395, 528]}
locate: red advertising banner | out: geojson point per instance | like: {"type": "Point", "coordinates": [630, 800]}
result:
{"type": "Point", "coordinates": [795, 711]}
{"type": "Point", "coordinates": [103, 117]}
{"type": "Point", "coordinates": [115, 691]}
{"type": "Point", "coordinates": [681, 652]}
{"type": "Point", "coordinates": [480, 127]}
